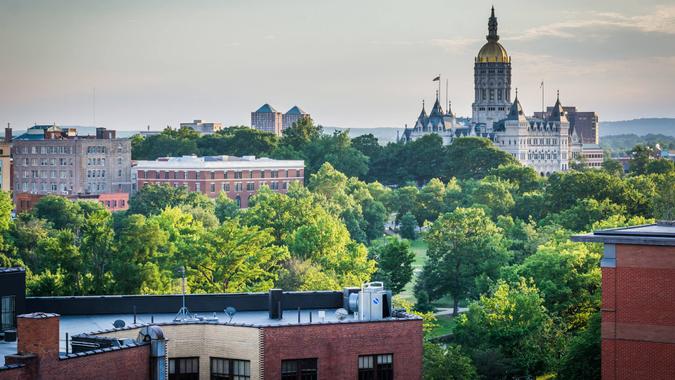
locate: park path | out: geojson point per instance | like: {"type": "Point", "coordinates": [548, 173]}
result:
{"type": "Point", "coordinates": [448, 311]}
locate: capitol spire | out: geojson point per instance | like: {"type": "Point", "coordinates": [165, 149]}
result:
{"type": "Point", "coordinates": [492, 27]}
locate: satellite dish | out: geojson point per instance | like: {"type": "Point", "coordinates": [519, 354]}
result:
{"type": "Point", "coordinates": [118, 324]}
{"type": "Point", "coordinates": [230, 312]}
{"type": "Point", "coordinates": [341, 314]}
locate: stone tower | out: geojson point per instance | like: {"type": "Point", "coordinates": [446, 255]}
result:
{"type": "Point", "coordinates": [492, 80]}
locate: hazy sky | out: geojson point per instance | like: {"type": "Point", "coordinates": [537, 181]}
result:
{"type": "Point", "coordinates": [349, 63]}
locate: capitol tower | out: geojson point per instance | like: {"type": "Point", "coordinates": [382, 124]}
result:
{"type": "Point", "coordinates": [492, 81]}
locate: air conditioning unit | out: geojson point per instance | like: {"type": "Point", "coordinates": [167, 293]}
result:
{"type": "Point", "coordinates": [372, 303]}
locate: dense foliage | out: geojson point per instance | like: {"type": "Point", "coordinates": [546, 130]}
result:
{"type": "Point", "coordinates": [498, 238]}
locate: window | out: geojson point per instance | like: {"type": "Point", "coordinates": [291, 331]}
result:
{"type": "Point", "coordinates": [376, 367]}
{"type": "Point", "coordinates": [237, 175]}
{"type": "Point", "coordinates": [213, 187]}
{"type": "Point", "coordinates": [250, 186]}
{"type": "Point", "coordinates": [184, 369]}
{"type": "Point", "coordinates": [230, 369]}
{"type": "Point", "coordinates": [7, 313]}
{"type": "Point", "coordinates": [299, 369]}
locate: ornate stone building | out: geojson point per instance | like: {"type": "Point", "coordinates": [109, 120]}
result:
{"type": "Point", "coordinates": [547, 142]}
{"type": "Point", "coordinates": [492, 80]}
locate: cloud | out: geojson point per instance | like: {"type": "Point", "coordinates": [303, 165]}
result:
{"type": "Point", "coordinates": [661, 20]}
{"type": "Point", "coordinates": [457, 43]}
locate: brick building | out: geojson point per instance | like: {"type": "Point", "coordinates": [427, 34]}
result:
{"type": "Point", "coordinates": [239, 177]}
{"type": "Point", "coordinates": [6, 161]}
{"type": "Point", "coordinates": [275, 335]}
{"type": "Point", "coordinates": [638, 301]}
{"type": "Point", "coordinates": [52, 160]}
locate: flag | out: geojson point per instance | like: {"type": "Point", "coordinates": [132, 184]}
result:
{"type": "Point", "coordinates": [541, 85]}
{"type": "Point", "coordinates": [438, 78]}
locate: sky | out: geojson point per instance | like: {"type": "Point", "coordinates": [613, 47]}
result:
{"type": "Point", "coordinates": [349, 63]}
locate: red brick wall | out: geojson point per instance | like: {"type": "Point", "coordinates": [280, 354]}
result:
{"type": "Point", "coordinates": [38, 346]}
{"type": "Point", "coordinates": [338, 347]}
{"type": "Point", "coordinates": [638, 314]}
{"type": "Point", "coordinates": [14, 374]}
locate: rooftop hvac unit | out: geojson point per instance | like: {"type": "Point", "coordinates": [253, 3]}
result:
{"type": "Point", "coordinates": [372, 303]}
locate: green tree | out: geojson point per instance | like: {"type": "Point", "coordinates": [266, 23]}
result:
{"type": "Point", "coordinates": [581, 359]}
{"type": "Point", "coordinates": [153, 199]}
{"type": "Point", "coordinates": [523, 177]}
{"type": "Point", "coordinates": [59, 211]}
{"type": "Point", "coordinates": [641, 155]}
{"type": "Point", "coordinates": [233, 258]}
{"type": "Point", "coordinates": [612, 167]}
{"type": "Point", "coordinates": [584, 213]}
{"type": "Point", "coordinates": [394, 259]}
{"type": "Point", "coordinates": [97, 249]}
{"type": "Point", "coordinates": [447, 363]}
{"type": "Point", "coordinates": [404, 200]}
{"type": "Point", "coordinates": [568, 276]}
{"type": "Point", "coordinates": [512, 322]}
{"type": "Point", "coordinates": [664, 201]}
{"type": "Point", "coordinates": [135, 266]}
{"type": "Point", "coordinates": [225, 207]}
{"type": "Point", "coordinates": [423, 157]}
{"type": "Point", "coordinates": [408, 226]}
{"type": "Point", "coordinates": [473, 157]}
{"type": "Point", "coordinates": [660, 166]}
{"type": "Point", "coordinates": [430, 201]}
{"type": "Point", "coordinates": [463, 245]}
{"type": "Point", "coordinates": [495, 195]}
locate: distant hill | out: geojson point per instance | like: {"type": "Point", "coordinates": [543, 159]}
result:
{"type": "Point", "coordinates": [664, 126]}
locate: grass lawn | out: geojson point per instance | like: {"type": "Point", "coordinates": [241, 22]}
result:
{"type": "Point", "coordinates": [419, 247]}
{"type": "Point", "coordinates": [446, 324]}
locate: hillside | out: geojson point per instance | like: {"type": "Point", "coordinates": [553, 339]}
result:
{"type": "Point", "coordinates": [664, 126]}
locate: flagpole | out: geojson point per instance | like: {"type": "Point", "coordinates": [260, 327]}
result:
{"type": "Point", "coordinates": [439, 85]}
{"type": "Point", "coordinates": [543, 110]}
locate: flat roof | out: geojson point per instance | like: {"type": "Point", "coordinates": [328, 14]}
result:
{"type": "Point", "coordinates": [662, 233]}
{"type": "Point", "coordinates": [215, 162]}
{"type": "Point", "coordinates": [96, 324]}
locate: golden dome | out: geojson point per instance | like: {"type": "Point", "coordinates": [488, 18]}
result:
{"type": "Point", "coordinates": [493, 51]}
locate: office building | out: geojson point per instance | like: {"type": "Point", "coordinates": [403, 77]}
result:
{"type": "Point", "coordinates": [239, 177]}
{"type": "Point", "coordinates": [292, 116]}
{"type": "Point", "coordinates": [267, 119]}
{"type": "Point", "coordinates": [52, 160]}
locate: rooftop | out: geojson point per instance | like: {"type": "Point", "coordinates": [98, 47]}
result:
{"type": "Point", "coordinates": [662, 233]}
{"type": "Point", "coordinates": [94, 324]}
{"type": "Point", "coordinates": [216, 162]}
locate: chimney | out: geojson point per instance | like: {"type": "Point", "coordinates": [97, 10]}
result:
{"type": "Point", "coordinates": [38, 334]}
{"type": "Point", "coordinates": [8, 133]}
{"type": "Point", "coordinates": [276, 305]}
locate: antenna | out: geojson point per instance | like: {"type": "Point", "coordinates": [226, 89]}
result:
{"type": "Point", "coordinates": [183, 314]}
{"type": "Point", "coordinates": [93, 106]}
{"type": "Point", "coordinates": [446, 90]}
{"type": "Point", "coordinates": [230, 312]}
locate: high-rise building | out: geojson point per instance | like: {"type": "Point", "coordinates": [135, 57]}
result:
{"type": "Point", "coordinates": [53, 160]}
{"type": "Point", "coordinates": [492, 80]}
{"type": "Point", "coordinates": [292, 116]}
{"type": "Point", "coordinates": [267, 119]}
{"type": "Point", "coordinates": [203, 127]}
{"type": "Point", "coordinates": [586, 124]}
